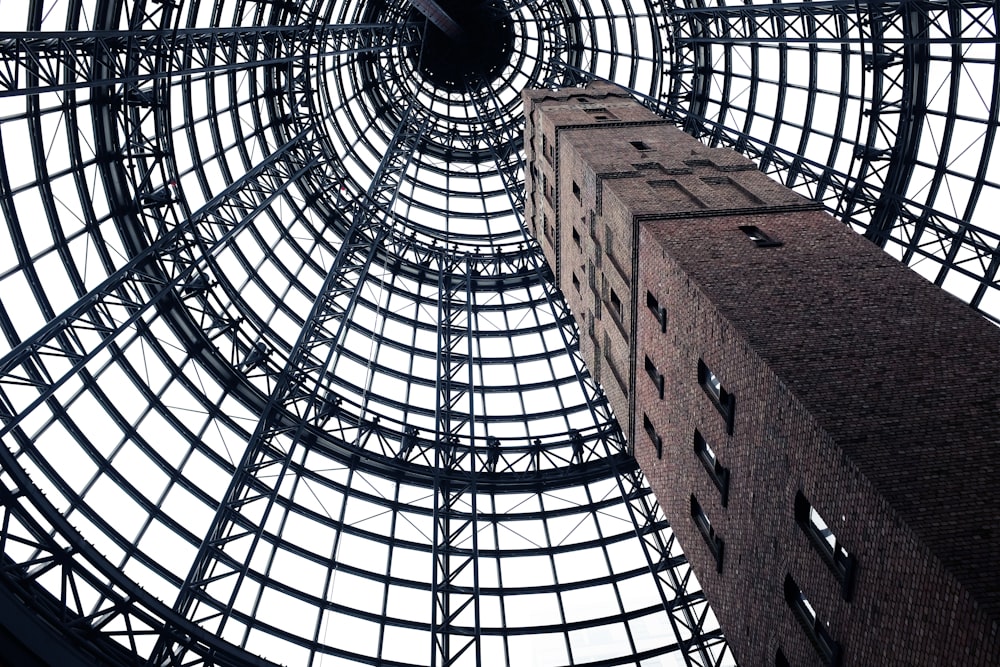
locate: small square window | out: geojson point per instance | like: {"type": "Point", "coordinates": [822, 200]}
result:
{"type": "Point", "coordinates": [718, 473]}
{"type": "Point", "coordinates": [616, 303]}
{"type": "Point", "coordinates": [843, 564]}
{"type": "Point", "coordinates": [829, 650]}
{"type": "Point", "coordinates": [714, 542]}
{"type": "Point", "coordinates": [655, 376]}
{"type": "Point", "coordinates": [659, 312]}
{"type": "Point", "coordinates": [653, 436]}
{"type": "Point", "coordinates": [760, 239]}
{"type": "Point", "coordinates": [600, 113]}
{"type": "Point", "coordinates": [724, 402]}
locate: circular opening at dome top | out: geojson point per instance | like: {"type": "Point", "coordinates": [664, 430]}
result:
{"type": "Point", "coordinates": [475, 58]}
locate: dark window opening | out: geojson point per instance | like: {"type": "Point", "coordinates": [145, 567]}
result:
{"type": "Point", "coordinates": [716, 471]}
{"type": "Point", "coordinates": [724, 402]}
{"type": "Point", "coordinates": [658, 312]}
{"type": "Point", "coordinates": [843, 564]}
{"type": "Point", "coordinates": [576, 191]}
{"type": "Point", "coordinates": [760, 239]}
{"type": "Point", "coordinates": [780, 660]}
{"type": "Point", "coordinates": [616, 303]}
{"type": "Point", "coordinates": [576, 238]}
{"type": "Point", "coordinates": [655, 376]}
{"type": "Point", "coordinates": [640, 146]}
{"type": "Point", "coordinates": [600, 113]}
{"type": "Point", "coordinates": [653, 436]}
{"type": "Point", "coordinates": [829, 650]}
{"type": "Point", "coordinates": [576, 282]}
{"type": "Point", "coordinates": [714, 542]}
{"type": "Point", "coordinates": [622, 381]}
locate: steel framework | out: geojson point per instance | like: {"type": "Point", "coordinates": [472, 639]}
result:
{"type": "Point", "coordinates": [283, 377]}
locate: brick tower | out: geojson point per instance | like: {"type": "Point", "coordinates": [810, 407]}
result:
{"type": "Point", "coordinates": [820, 425]}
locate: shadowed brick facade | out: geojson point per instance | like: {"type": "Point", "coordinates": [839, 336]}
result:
{"type": "Point", "coordinates": [817, 421]}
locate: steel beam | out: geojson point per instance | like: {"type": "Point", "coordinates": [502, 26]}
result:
{"type": "Point", "coordinates": [43, 62]}
{"type": "Point", "coordinates": [439, 17]}
{"type": "Point", "coordinates": [90, 325]}
{"type": "Point", "coordinates": [268, 456]}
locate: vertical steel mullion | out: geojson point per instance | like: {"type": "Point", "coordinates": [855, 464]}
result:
{"type": "Point", "coordinates": [449, 603]}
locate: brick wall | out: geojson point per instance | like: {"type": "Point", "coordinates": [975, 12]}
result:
{"type": "Point", "coordinates": [858, 387]}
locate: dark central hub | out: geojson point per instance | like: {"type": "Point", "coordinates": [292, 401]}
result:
{"type": "Point", "coordinates": [479, 56]}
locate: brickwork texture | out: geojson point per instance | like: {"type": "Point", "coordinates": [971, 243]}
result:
{"type": "Point", "coordinates": [855, 386]}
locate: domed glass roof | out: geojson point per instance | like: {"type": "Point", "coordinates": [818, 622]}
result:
{"type": "Point", "coordinates": [284, 374]}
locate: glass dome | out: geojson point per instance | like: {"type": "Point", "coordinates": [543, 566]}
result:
{"type": "Point", "coordinates": [284, 377]}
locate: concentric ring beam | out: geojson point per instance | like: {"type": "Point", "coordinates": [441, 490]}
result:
{"type": "Point", "coordinates": [120, 300]}
{"type": "Point", "coordinates": [41, 62]}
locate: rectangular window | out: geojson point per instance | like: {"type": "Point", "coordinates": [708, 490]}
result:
{"type": "Point", "coordinates": [843, 564]}
{"type": "Point", "coordinates": [658, 312]}
{"type": "Point", "coordinates": [600, 113]}
{"type": "Point", "coordinates": [622, 381]}
{"type": "Point", "coordinates": [653, 436]}
{"type": "Point", "coordinates": [640, 145]}
{"type": "Point", "coordinates": [576, 238]}
{"type": "Point", "coordinates": [759, 238]}
{"type": "Point", "coordinates": [655, 376]}
{"type": "Point", "coordinates": [829, 650]}
{"type": "Point", "coordinates": [576, 191]}
{"type": "Point", "coordinates": [724, 402]}
{"type": "Point", "coordinates": [714, 542]}
{"type": "Point", "coordinates": [576, 282]}
{"type": "Point", "coordinates": [616, 303]}
{"type": "Point", "coordinates": [716, 471]}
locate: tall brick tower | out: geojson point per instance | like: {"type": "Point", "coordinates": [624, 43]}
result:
{"type": "Point", "coordinates": [820, 425]}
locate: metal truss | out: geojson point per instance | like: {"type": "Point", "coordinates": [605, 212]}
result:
{"type": "Point", "coordinates": [892, 47]}
{"type": "Point", "coordinates": [455, 579]}
{"type": "Point", "coordinates": [250, 242]}
{"type": "Point", "coordinates": [159, 272]}
{"type": "Point", "coordinates": [47, 62]}
{"type": "Point", "coordinates": [265, 464]}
